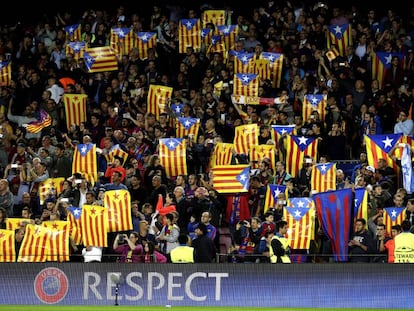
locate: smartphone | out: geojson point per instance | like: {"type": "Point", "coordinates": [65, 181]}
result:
{"type": "Point", "coordinates": [14, 165]}
{"type": "Point", "coordinates": [116, 109]}
{"type": "Point", "coordinates": [64, 200]}
{"type": "Point", "coordinates": [78, 181]}
{"type": "Point", "coordinates": [223, 117]}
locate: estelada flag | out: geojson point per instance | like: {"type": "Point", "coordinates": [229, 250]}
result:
{"type": "Point", "coordinates": [393, 216]}
{"type": "Point", "coordinates": [118, 203]}
{"type": "Point", "coordinates": [339, 36]}
{"type": "Point", "coordinates": [158, 99]}
{"type": "Point", "coordinates": [381, 62]}
{"type": "Point", "coordinates": [5, 72]}
{"type": "Point", "coordinates": [231, 178]}
{"type": "Point", "coordinates": [122, 40]}
{"type": "Point", "coordinates": [73, 32]}
{"type": "Point", "coordinates": [272, 194]}
{"type": "Point", "coordinates": [244, 63]}
{"type": "Point", "coordinates": [216, 17]}
{"type": "Point", "coordinates": [189, 34]}
{"type": "Point", "coordinates": [229, 34]}
{"type": "Point", "coordinates": [36, 244]}
{"type": "Point", "coordinates": [187, 128]}
{"type": "Point", "coordinates": [13, 223]}
{"type": "Point", "coordinates": [258, 152]}
{"type": "Point", "coordinates": [222, 154]}
{"type": "Point", "coordinates": [144, 41]}
{"type": "Point", "coordinates": [85, 161]}
{"type": "Point", "coordinates": [94, 225]}
{"type": "Point", "coordinates": [314, 102]}
{"type": "Point", "coordinates": [334, 211]}
{"type": "Point", "coordinates": [173, 156]}
{"type": "Point", "coordinates": [52, 186]}
{"type": "Point", "coordinates": [74, 215]}
{"type": "Point", "coordinates": [100, 59]}
{"type": "Point", "coordinates": [7, 246]}
{"type": "Point", "coordinates": [116, 151]}
{"type": "Point", "coordinates": [246, 84]}
{"type": "Point", "coordinates": [75, 109]}
{"type": "Point", "coordinates": [59, 243]}
{"type": "Point", "coordinates": [76, 48]}
{"type": "Point", "coordinates": [44, 121]}
{"type": "Point", "coordinates": [296, 149]}
{"type": "Point", "coordinates": [323, 177]}
{"type": "Point", "coordinates": [300, 216]}
{"type": "Point", "coordinates": [361, 203]}
{"type": "Point", "coordinates": [246, 135]}
{"type": "Point", "coordinates": [276, 66]}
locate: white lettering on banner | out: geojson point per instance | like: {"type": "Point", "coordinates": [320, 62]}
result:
{"type": "Point", "coordinates": [154, 281]}
{"type": "Point", "coordinates": [91, 286]}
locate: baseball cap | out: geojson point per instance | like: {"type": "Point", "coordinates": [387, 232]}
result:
{"type": "Point", "coordinates": [370, 168]}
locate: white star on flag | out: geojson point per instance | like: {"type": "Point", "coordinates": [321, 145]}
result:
{"type": "Point", "coordinates": [243, 177]}
{"type": "Point", "coordinates": [387, 142]}
{"type": "Point", "coordinates": [302, 140]}
{"type": "Point", "coordinates": [171, 144]}
{"type": "Point", "coordinates": [297, 213]}
{"type": "Point", "coordinates": [300, 204]}
{"type": "Point", "coordinates": [388, 59]}
{"type": "Point", "coordinates": [323, 168]}
{"type": "Point", "coordinates": [338, 29]}
{"type": "Point", "coordinates": [394, 213]}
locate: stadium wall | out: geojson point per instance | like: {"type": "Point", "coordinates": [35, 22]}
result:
{"type": "Point", "coordinates": [257, 285]}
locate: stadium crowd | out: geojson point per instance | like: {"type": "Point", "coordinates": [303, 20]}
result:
{"type": "Point", "coordinates": [186, 212]}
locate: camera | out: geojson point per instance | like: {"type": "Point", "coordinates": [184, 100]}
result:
{"type": "Point", "coordinates": [121, 238]}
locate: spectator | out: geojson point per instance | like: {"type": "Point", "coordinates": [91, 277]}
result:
{"type": "Point", "coordinates": [204, 247]}
{"type": "Point", "coordinates": [129, 247]}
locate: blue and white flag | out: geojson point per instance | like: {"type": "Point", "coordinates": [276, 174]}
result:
{"type": "Point", "coordinates": [407, 170]}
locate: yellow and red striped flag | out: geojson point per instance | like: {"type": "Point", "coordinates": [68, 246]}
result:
{"type": "Point", "coordinates": [300, 218]}
{"type": "Point", "coordinates": [13, 223]}
{"type": "Point", "coordinates": [35, 245]}
{"type": "Point", "coordinates": [122, 40]}
{"type": "Point", "coordinates": [258, 152]}
{"type": "Point", "coordinates": [37, 126]}
{"type": "Point", "coordinates": [187, 127]}
{"type": "Point", "coordinates": [262, 68]}
{"type": "Point", "coordinates": [5, 72]}
{"type": "Point", "coordinates": [116, 151]}
{"type": "Point", "coordinates": [279, 131]}
{"type": "Point", "coordinates": [118, 203]}
{"type": "Point", "coordinates": [272, 193]}
{"type": "Point", "coordinates": [229, 34]}
{"type": "Point", "coordinates": [216, 17]}
{"type": "Point", "coordinates": [189, 34]}
{"type": "Point", "coordinates": [323, 177]}
{"type": "Point", "coordinates": [74, 215]}
{"type": "Point", "coordinates": [222, 154]}
{"type": "Point", "coordinates": [75, 109]}
{"type": "Point", "coordinates": [158, 98]}
{"type": "Point", "coordinates": [339, 36]}
{"type": "Point", "coordinates": [276, 66]}
{"type": "Point", "coordinates": [85, 161]}
{"type": "Point", "coordinates": [76, 48]}
{"type": "Point", "coordinates": [361, 203]}
{"type": "Point", "coordinates": [59, 242]}
{"type": "Point", "coordinates": [54, 185]}
{"type": "Point", "coordinates": [206, 36]}
{"type": "Point", "coordinates": [245, 135]}
{"type": "Point", "coordinates": [244, 62]}
{"type": "Point", "coordinates": [100, 59]}
{"type": "Point", "coordinates": [246, 84]}
{"type": "Point", "coordinates": [381, 62]}
{"type": "Point", "coordinates": [296, 148]}
{"type": "Point", "coordinates": [94, 225]}
{"type": "Point", "coordinates": [379, 147]}
{"type": "Point", "coordinates": [217, 45]}
{"type": "Point", "coordinates": [73, 32]}
{"type": "Point", "coordinates": [7, 246]}
{"type": "Point", "coordinates": [144, 41]}
{"type": "Point", "coordinates": [393, 216]}
{"type": "Point", "coordinates": [173, 156]}
{"type": "Point", "coordinates": [231, 178]}
{"type": "Point", "coordinates": [314, 102]}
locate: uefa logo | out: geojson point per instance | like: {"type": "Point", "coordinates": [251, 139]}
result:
{"type": "Point", "coordinates": [51, 285]}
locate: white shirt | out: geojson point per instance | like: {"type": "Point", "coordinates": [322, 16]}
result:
{"type": "Point", "coordinates": [95, 254]}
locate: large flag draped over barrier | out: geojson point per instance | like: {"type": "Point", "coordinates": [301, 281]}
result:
{"type": "Point", "coordinates": [334, 211]}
